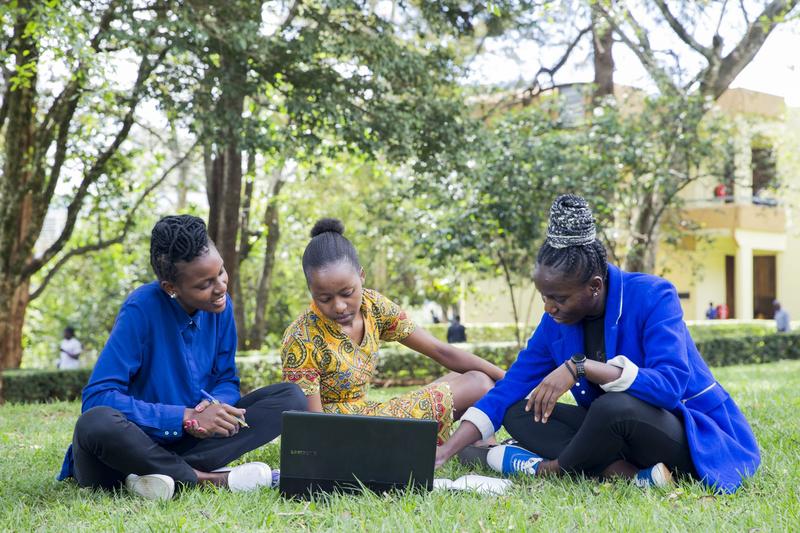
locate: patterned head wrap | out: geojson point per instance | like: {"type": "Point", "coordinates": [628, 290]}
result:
{"type": "Point", "coordinates": [571, 222]}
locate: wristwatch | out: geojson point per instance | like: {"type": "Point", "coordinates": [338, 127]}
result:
{"type": "Point", "coordinates": [578, 359]}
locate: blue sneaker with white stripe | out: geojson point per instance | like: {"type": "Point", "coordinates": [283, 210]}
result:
{"type": "Point", "coordinates": [657, 475]}
{"type": "Point", "coordinates": [509, 460]}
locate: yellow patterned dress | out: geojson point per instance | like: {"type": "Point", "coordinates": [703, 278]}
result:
{"type": "Point", "coordinates": [321, 358]}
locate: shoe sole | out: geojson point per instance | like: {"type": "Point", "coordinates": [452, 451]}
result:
{"type": "Point", "coordinates": [152, 488]}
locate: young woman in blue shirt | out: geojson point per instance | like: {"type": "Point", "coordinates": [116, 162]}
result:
{"type": "Point", "coordinates": [647, 406]}
{"type": "Point", "coordinates": [146, 422]}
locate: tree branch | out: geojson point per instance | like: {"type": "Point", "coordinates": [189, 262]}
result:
{"type": "Point", "coordinates": [75, 85]}
{"type": "Point", "coordinates": [641, 48]}
{"type": "Point", "coordinates": [82, 250]}
{"type": "Point", "coordinates": [680, 31]}
{"type": "Point", "coordinates": [93, 174]}
{"type": "Point", "coordinates": [535, 87]}
{"type": "Point", "coordinates": [717, 80]}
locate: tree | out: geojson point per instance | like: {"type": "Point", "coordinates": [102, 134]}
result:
{"type": "Point", "coordinates": [710, 44]}
{"type": "Point", "coordinates": [65, 131]}
{"type": "Point", "coordinates": [738, 36]}
{"type": "Point", "coordinates": [314, 79]}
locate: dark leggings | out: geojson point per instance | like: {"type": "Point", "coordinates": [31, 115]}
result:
{"type": "Point", "coordinates": [615, 427]}
{"type": "Point", "coordinates": [106, 446]}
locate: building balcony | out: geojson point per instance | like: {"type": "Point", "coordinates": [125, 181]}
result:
{"type": "Point", "coordinates": [733, 214]}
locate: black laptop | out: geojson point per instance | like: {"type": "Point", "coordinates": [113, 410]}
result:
{"type": "Point", "coordinates": [329, 452]}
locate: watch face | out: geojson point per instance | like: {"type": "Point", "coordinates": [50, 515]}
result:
{"type": "Point", "coordinates": [578, 358]}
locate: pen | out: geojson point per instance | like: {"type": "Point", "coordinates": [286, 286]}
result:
{"type": "Point", "coordinates": [214, 400]}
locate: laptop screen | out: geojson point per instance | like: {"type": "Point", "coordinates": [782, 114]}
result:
{"type": "Point", "coordinates": [325, 452]}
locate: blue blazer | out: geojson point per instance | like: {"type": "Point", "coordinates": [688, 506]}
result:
{"type": "Point", "coordinates": [644, 323]}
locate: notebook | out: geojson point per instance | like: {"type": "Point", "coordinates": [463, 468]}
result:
{"type": "Point", "coordinates": [332, 452]}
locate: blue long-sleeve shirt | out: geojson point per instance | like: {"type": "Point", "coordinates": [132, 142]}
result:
{"type": "Point", "coordinates": [157, 359]}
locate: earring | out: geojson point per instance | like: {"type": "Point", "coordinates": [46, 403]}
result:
{"type": "Point", "coordinates": [173, 295]}
{"type": "Point", "coordinates": [594, 294]}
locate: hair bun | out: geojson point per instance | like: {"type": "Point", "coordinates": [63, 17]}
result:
{"type": "Point", "coordinates": [325, 225]}
{"type": "Point", "coordinates": [571, 222]}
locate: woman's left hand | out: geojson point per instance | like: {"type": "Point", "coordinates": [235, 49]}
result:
{"type": "Point", "coordinates": [546, 394]}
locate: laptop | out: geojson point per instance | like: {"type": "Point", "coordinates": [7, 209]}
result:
{"type": "Point", "coordinates": [331, 452]}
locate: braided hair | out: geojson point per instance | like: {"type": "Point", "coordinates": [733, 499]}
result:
{"type": "Point", "coordinates": [571, 246]}
{"type": "Point", "coordinates": [174, 239]}
{"type": "Point", "coordinates": [328, 245]}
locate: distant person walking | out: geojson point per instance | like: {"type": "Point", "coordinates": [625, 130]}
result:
{"type": "Point", "coordinates": [456, 332]}
{"type": "Point", "coordinates": [782, 319]}
{"type": "Point", "coordinates": [70, 350]}
{"type": "Point", "coordinates": [711, 312]}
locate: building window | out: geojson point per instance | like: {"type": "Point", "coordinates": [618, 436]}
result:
{"type": "Point", "coordinates": [764, 169]}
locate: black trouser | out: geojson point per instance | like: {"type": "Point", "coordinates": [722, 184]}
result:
{"type": "Point", "coordinates": [616, 426]}
{"type": "Point", "coordinates": [106, 446]}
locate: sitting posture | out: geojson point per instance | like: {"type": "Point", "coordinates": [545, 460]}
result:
{"type": "Point", "coordinates": [647, 404]}
{"type": "Point", "coordinates": [163, 403]}
{"type": "Point", "coordinates": [331, 350]}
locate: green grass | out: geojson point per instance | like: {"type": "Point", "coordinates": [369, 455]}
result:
{"type": "Point", "coordinates": [33, 439]}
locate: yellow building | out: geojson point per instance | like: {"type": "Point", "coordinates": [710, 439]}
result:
{"type": "Point", "coordinates": [748, 245]}
{"type": "Point", "coordinates": [743, 254]}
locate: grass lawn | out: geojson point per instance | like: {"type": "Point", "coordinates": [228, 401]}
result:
{"type": "Point", "coordinates": [33, 439]}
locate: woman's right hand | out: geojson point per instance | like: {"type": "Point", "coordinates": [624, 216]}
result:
{"type": "Point", "coordinates": [213, 420]}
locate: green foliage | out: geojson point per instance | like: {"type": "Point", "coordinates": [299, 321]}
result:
{"type": "Point", "coordinates": [750, 349]}
{"type": "Point", "coordinates": [33, 386]}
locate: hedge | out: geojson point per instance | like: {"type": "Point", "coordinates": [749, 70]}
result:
{"type": "Point", "coordinates": [28, 386]}
{"type": "Point", "coordinates": [397, 366]}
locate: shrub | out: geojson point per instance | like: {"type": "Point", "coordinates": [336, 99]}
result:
{"type": "Point", "coordinates": [480, 334]}
{"type": "Point", "coordinates": [399, 365]}
{"type": "Point", "coordinates": [750, 349]}
{"type": "Point", "coordinates": [28, 386]}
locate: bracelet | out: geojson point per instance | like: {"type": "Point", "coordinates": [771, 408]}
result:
{"type": "Point", "coordinates": [574, 375]}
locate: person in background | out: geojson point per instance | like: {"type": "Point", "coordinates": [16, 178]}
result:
{"type": "Point", "coordinates": [456, 332]}
{"type": "Point", "coordinates": [69, 350]}
{"type": "Point", "coordinates": [782, 319]}
{"type": "Point", "coordinates": [163, 406]}
{"type": "Point", "coordinates": [711, 312]}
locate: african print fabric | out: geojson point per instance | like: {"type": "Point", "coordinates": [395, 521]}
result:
{"type": "Point", "coordinates": [319, 357]}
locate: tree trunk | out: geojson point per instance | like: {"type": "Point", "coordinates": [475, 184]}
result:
{"type": "Point", "coordinates": [14, 298]}
{"type": "Point", "coordinates": [239, 314]}
{"type": "Point", "coordinates": [641, 257]}
{"type": "Point", "coordinates": [225, 184]}
{"type": "Point", "coordinates": [272, 222]}
{"type": "Point", "coordinates": [18, 215]}
{"type": "Point", "coordinates": [514, 309]}
{"type": "Point", "coordinates": [602, 43]}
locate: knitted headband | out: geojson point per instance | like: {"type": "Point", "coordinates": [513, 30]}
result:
{"type": "Point", "coordinates": [571, 222]}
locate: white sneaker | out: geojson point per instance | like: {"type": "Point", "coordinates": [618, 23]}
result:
{"type": "Point", "coordinates": [657, 475]}
{"type": "Point", "coordinates": [249, 476]}
{"type": "Point", "coordinates": [509, 460]}
{"type": "Point", "coordinates": [151, 486]}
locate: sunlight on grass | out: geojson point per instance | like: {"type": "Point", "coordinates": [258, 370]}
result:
{"type": "Point", "coordinates": [33, 439]}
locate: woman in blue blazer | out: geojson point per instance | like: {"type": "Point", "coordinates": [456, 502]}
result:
{"type": "Point", "coordinates": [647, 404]}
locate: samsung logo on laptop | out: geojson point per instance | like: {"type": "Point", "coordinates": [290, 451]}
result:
{"type": "Point", "coordinates": [302, 452]}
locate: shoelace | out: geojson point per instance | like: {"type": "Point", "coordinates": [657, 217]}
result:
{"type": "Point", "coordinates": [526, 465]}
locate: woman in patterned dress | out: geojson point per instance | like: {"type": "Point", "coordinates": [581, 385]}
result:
{"type": "Point", "coordinates": [331, 350]}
